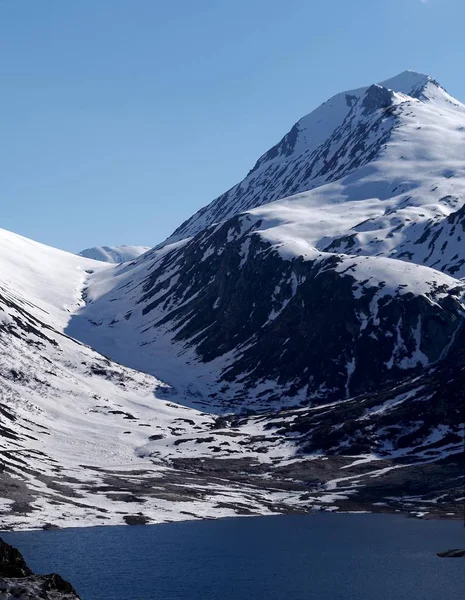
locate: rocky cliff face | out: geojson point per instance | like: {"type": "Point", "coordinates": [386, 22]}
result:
{"type": "Point", "coordinates": [18, 581]}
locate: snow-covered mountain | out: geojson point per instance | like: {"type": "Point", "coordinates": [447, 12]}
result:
{"type": "Point", "coordinates": [316, 296]}
{"type": "Point", "coordinates": [84, 440]}
{"type": "Point", "coordinates": [347, 132]}
{"type": "Point", "coordinates": [266, 325]}
{"type": "Point", "coordinates": [114, 254]}
{"type": "Point", "coordinates": [297, 344]}
{"type": "Point", "coordinates": [77, 430]}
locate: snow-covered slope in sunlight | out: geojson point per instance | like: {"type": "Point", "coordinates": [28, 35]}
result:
{"type": "Point", "coordinates": [340, 136]}
{"type": "Point", "coordinates": [48, 280]}
{"type": "Point", "coordinates": [114, 254]}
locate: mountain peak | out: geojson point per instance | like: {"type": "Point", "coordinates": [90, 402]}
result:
{"type": "Point", "coordinates": [321, 147]}
{"type": "Point", "coordinates": [407, 81]}
{"type": "Point", "coordinates": [417, 85]}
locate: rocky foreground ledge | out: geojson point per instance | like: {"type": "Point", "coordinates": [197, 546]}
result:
{"type": "Point", "coordinates": [17, 581]}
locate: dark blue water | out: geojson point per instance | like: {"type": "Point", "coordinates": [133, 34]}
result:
{"type": "Point", "coordinates": [320, 557]}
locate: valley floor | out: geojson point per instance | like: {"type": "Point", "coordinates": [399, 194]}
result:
{"type": "Point", "coordinates": [38, 493]}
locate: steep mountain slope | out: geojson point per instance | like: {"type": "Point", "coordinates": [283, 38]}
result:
{"type": "Point", "coordinates": [84, 440]}
{"type": "Point", "coordinates": [311, 297]}
{"type": "Point", "coordinates": [114, 254]}
{"type": "Point", "coordinates": [342, 135]}
{"type": "Point", "coordinates": [261, 325]}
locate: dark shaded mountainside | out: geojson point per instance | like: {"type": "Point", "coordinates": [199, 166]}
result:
{"type": "Point", "coordinates": [276, 354]}
{"type": "Point", "coordinates": [318, 296]}
{"type": "Point", "coordinates": [277, 330]}
{"type": "Point", "coordinates": [18, 581]}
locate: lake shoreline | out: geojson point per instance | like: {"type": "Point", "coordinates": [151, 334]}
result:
{"type": "Point", "coordinates": [48, 527]}
{"type": "Point", "coordinates": [295, 556]}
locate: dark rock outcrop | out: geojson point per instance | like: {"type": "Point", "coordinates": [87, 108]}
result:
{"type": "Point", "coordinates": [18, 581]}
{"type": "Point", "coordinates": [452, 554]}
{"type": "Point", "coordinates": [12, 564]}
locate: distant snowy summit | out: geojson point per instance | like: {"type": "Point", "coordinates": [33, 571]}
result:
{"type": "Point", "coordinates": [114, 254]}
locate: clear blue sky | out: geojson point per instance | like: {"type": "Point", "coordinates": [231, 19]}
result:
{"type": "Point", "coordinates": [120, 118]}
